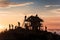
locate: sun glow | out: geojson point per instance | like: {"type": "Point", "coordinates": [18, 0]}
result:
{"type": "Point", "coordinates": [2, 28]}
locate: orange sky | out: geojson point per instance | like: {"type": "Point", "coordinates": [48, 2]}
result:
{"type": "Point", "coordinates": [52, 22]}
{"type": "Point", "coordinates": [13, 11]}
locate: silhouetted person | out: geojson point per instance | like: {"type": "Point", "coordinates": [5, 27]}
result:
{"type": "Point", "coordinates": [26, 26]}
{"type": "Point", "coordinates": [5, 29]}
{"type": "Point", "coordinates": [9, 26]}
{"type": "Point", "coordinates": [15, 27]}
{"type": "Point", "coordinates": [36, 15]}
{"type": "Point", "coordinates": [18, 24]}
{"type": "Point", "coordinates": [12, 26]}
{"type": "Point", "coordinates": [26, 23]}
{"type": "Point", "coordinates": [55, 33]}
{"type": "Point", "coordinates": [45, 28]}
{"type": "Point", "coordinates": [25, 18]}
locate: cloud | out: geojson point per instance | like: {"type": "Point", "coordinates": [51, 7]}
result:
{"type": "Point", "coordinates": [23, 4]}
{"type": "Point", "coordinates": [49, 7]}
{"type": "Point", "coordinates": [7, 3]}
{"type": "Point", "coordinates": [52, 6]}
{"type": "Point", "coordinates": [55, 11]}
{"type": "Point", "coordinates": [46, 6]}
{"type": "Point", "coordinates": [3, 0]}
{"type": "Point", "coordinates": [4, 3]}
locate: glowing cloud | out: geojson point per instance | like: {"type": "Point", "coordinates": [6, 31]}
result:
{"type": "Point", "coordinates": [51, 5]}
{"type": "Point", "coordinates": [23, 4]}
{"type": "Point", "coordinates": [6, 3]}
{"type": "Point", "coordinates": [46, 6]}
{"type": "Point", "coordinates": [3, 3]}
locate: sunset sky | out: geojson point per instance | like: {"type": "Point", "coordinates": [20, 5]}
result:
{"type": "Point", "coordinates": [12, 11]}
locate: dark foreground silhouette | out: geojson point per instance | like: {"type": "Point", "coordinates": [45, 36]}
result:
{"type": "Point", "coordinates": [32, 31]}
{"type": "Point", "coordinates": [22, 34]}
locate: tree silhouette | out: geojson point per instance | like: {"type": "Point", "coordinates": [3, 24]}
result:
{"type": "Point", "coordinates": [35, 22]}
